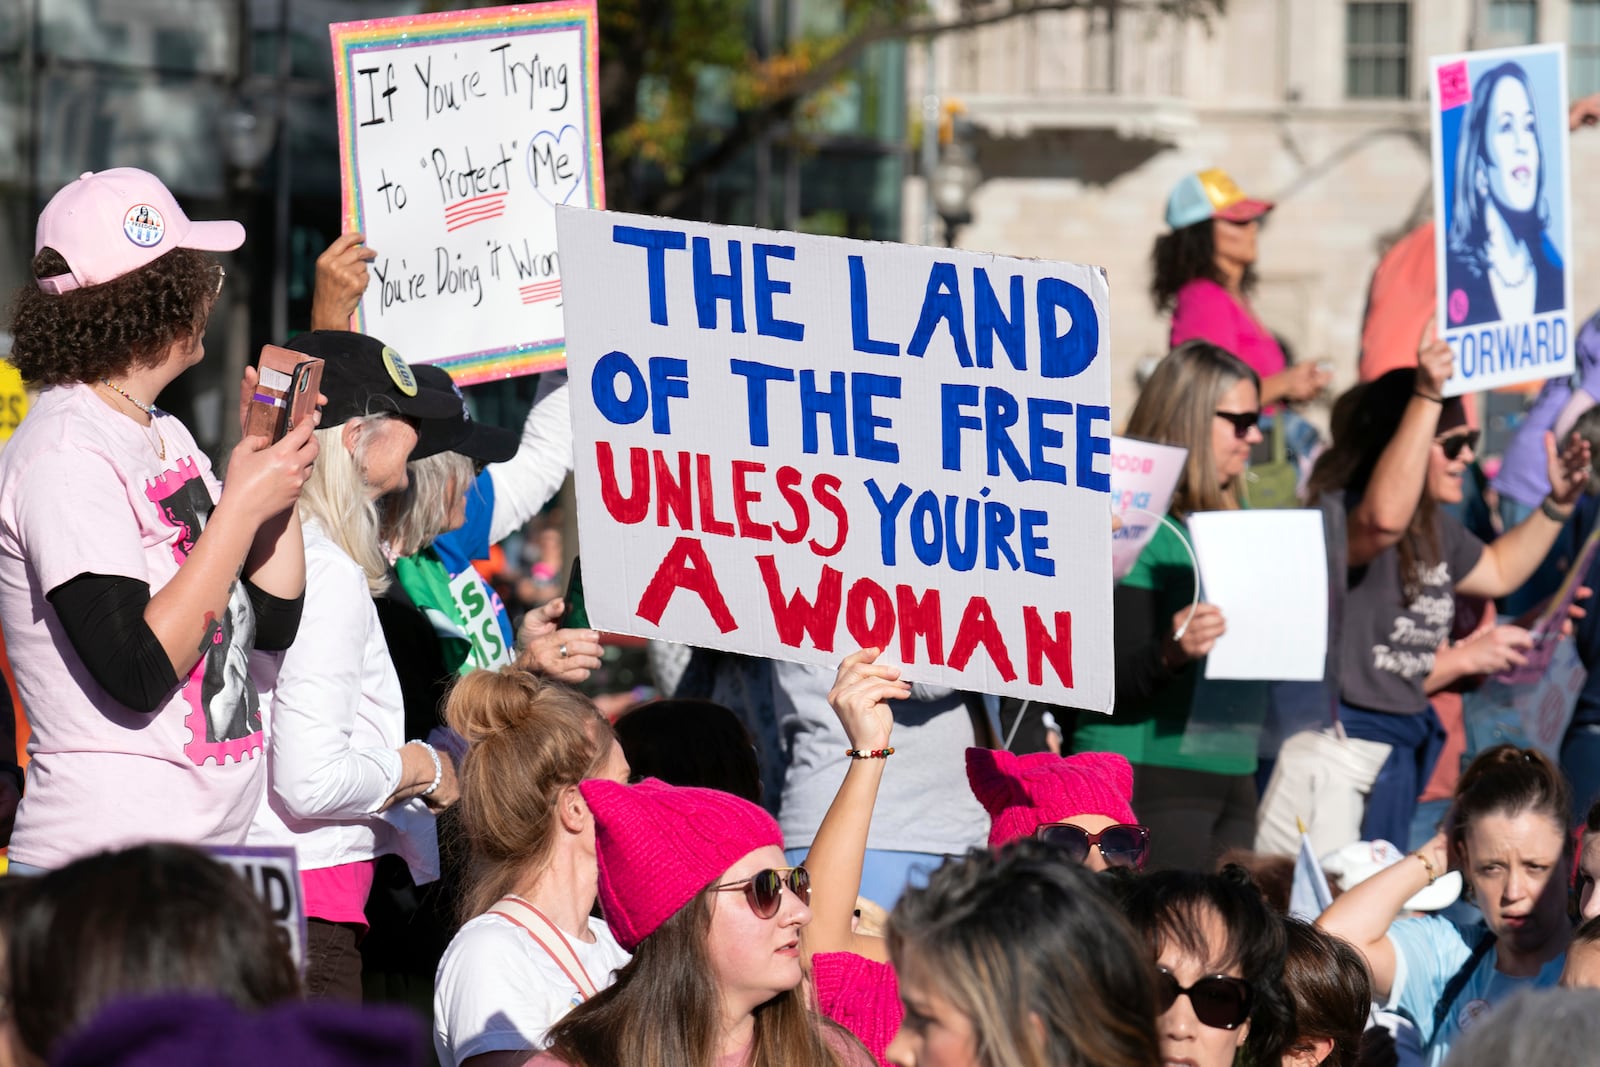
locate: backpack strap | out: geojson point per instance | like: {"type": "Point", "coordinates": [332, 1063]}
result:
{"type": "Point", "coordinates": [1459, 980]}
{"type": "Point", "coordinates": [548, 936]}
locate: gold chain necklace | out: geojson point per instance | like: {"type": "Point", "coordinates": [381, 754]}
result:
{"type": "Point", "coordinates": [148, 409]}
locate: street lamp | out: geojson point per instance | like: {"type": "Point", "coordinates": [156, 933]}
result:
{"type": "Point", "coordinates": [955, 178]}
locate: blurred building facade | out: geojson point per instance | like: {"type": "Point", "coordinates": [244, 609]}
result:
{"type": "Point", "coordinates": [1085, 120]}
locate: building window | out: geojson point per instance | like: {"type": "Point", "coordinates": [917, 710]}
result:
{"type": "Point", "coordinates": [1513, 22]}
{"type": "Point", "coordinates": [1583, 47]}
{"type": "Point", "coordinates": [1377, 50]}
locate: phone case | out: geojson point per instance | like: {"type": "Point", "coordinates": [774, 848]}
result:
{"type": "Point", "coordinates": [285, 394]}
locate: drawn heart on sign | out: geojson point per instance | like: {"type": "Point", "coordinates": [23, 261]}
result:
{"type": "Point", "coordinates": [556, 163]}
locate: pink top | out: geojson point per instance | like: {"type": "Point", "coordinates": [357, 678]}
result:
{"type": "Point", "coordinates": [861, 995]}
{"type": "Point", "coordinates": [339, 894]}
{"type": "Point", "coordinates": [1206, 311]}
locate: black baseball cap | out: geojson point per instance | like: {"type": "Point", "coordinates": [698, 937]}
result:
{"type": "Point", "coordinates": [363, 376]}
{"type": "Point", "coordinates": [476, 440]}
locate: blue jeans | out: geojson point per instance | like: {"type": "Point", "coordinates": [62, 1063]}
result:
{"type": "Point", "coordinates": [884, 874]}
{"type": "Point", "coordinates": [1415, 742]}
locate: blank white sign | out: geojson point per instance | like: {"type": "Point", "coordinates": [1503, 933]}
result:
{"type": "Point", "coordinates": [1268, 573]}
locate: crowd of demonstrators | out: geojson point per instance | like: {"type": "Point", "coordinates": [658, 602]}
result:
{"type": "Point", "coordinates": [306, 655]}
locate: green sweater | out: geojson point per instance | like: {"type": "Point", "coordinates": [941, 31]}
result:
{"type": "Point", "coordinates": [1189, 723]}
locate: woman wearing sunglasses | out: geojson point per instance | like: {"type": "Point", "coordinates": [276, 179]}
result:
{"type": "Point", "coordinates": [1400, 450]}
{"type": "Point", "coordinates": [1197, 803]}
{"type": "Point", "coordinates": [1078, 804]}
{"type": "Point", "coordinates": [693, 883]}
{"type": "Point", "coordinates": [1219, 955]}
{"type": "Point", "coordinates": [529, 948]}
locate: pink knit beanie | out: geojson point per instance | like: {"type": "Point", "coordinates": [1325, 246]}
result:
{"type": "Point", "coordinates": [1022, 793]}
{"type": "Point", "coordinates": [660, 844]}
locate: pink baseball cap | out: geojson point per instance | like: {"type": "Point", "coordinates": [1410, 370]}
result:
{"type": "Point", "coordinates": [111, 223]}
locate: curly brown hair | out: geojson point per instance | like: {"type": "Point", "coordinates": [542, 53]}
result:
{"type": "Point", "coordinates": [1183, 255]}
{"type": "Point", "coordinates": [104, 330]}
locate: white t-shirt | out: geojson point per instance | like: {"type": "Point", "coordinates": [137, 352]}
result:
{"type": "Point", "coordinates": [497, 990]}
{"type": "Point", "coordinates": [84, 489]}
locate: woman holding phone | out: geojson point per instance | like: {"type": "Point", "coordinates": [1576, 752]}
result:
{"type": "Point", "coordinates": [132, 586]}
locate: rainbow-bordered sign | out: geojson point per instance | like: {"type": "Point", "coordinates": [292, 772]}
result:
{"type": "Point", "coordinates": [459, 134]}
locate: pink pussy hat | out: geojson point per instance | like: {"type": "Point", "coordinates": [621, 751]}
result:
{"type": "Point", "coordinates": [1023, 793]}
{"type": "Point", "coordinates": [111, 223]}
{"type": "Point", "coordinates": [660, 844]}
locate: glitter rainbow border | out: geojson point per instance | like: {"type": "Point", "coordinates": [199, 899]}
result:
{"type": "Point", "coordinates": [351, 39]}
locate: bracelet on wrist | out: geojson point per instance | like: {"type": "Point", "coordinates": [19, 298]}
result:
{"type": "Point", "coordinates": [876, 753]}
{"type": "Point", "coordinates": [1433, 872]}
{"type": "Point", "coordinates": [1552, 510]}
{"type": "Point", "coordinates": [438, 767]}
{"type": "Point", "coordinates": [1428, 396]}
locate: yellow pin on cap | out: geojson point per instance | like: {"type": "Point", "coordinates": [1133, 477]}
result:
{"type": "Point", "coordinates": [400, 371]}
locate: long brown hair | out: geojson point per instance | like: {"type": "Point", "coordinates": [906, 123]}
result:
{"type": "Point", "coordinates": [1178, 406]}
{"type": "Point", "coordinates": [1328, 983]}
{"type": "Point", "coordinates": [1023, 942]}
{"type": "Point", "coordinates": [528, 740]}
{"type": "Point", "coordinates": [1365, 420]}
{"type": "Point", "coordinates": [664, 1010]}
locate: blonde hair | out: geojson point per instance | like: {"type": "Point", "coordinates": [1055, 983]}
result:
{"type": "Point", "coordinates": [336, 496]}
{"type": "Point", "coordinates": [528, 739]}
{"type": "Point", "coordinates": [1178, 406]}
{"type": "Point", "coordinates": [420, 512]}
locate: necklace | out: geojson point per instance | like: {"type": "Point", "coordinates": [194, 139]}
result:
{"type": "Point", "coordinates": [148, 409]}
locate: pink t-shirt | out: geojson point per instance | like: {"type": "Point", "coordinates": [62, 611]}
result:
{"type": "Point", "coordinates": [83, 490]}
{"type": "Point", "coordinates": [1206, 311]}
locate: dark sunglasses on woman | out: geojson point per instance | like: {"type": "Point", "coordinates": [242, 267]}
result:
{"type": "Point", "coordinates": [1243, 421]}
{"type": "Point", "coordinates": [763, 891]}
{"type": "Point", "coordinates": [1452, 445]}
{"type": "Point", "coordinates": [1220, 1002]}
{"type": "Point", "coordinates": [1121, 845]}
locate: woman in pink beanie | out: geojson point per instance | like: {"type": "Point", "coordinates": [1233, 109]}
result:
{"type": "Point", "coordinates": [1081, 803]}
{"type": "Point", "coordinates": [693, 882]}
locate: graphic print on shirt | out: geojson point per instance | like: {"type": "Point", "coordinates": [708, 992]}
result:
{"type": "Point", "coordinates": [224, 717]}
{"type": "Point", "coordinates": [1416, 636]}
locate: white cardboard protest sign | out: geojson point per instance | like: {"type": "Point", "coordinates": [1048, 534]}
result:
{"type": "Point", "coordinates": [460, 131]}
{"type": "Point", "coordinates": [1268, 572]}
{"type": "Point", "coordinates": [794, 446]}
{"type": "Point", "coordinates": [1502, 202]}
{"type": "Point", "coordinates": [274, 874]}
{"type": "Point", "coordinates": [1143, 476]}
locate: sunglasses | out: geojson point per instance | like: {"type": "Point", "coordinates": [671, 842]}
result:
{"type": "Point", "coordinates": [1219, 1002]}
{"type": "Point", "coordinates": [1451, 446]}
{"type": "Point", "coordinates": [1122, 845]}
{"type": "Point", "coordinates": [763, 891]}
{"type": "Point", "coordinates": [1243, 421]}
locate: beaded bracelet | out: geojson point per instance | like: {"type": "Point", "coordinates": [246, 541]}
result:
{"type": "Point", "coordinates": [438, 768]}
{"type": "Point", "coordinates": [877, 753]}
{"type": "Point", "coordinates": [1433, 874]}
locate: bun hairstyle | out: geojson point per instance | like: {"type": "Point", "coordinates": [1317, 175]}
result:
{"type": "Point", "coordinates": [528, 740]}
{"type": "Point", "coordinates": [1507, 780]}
